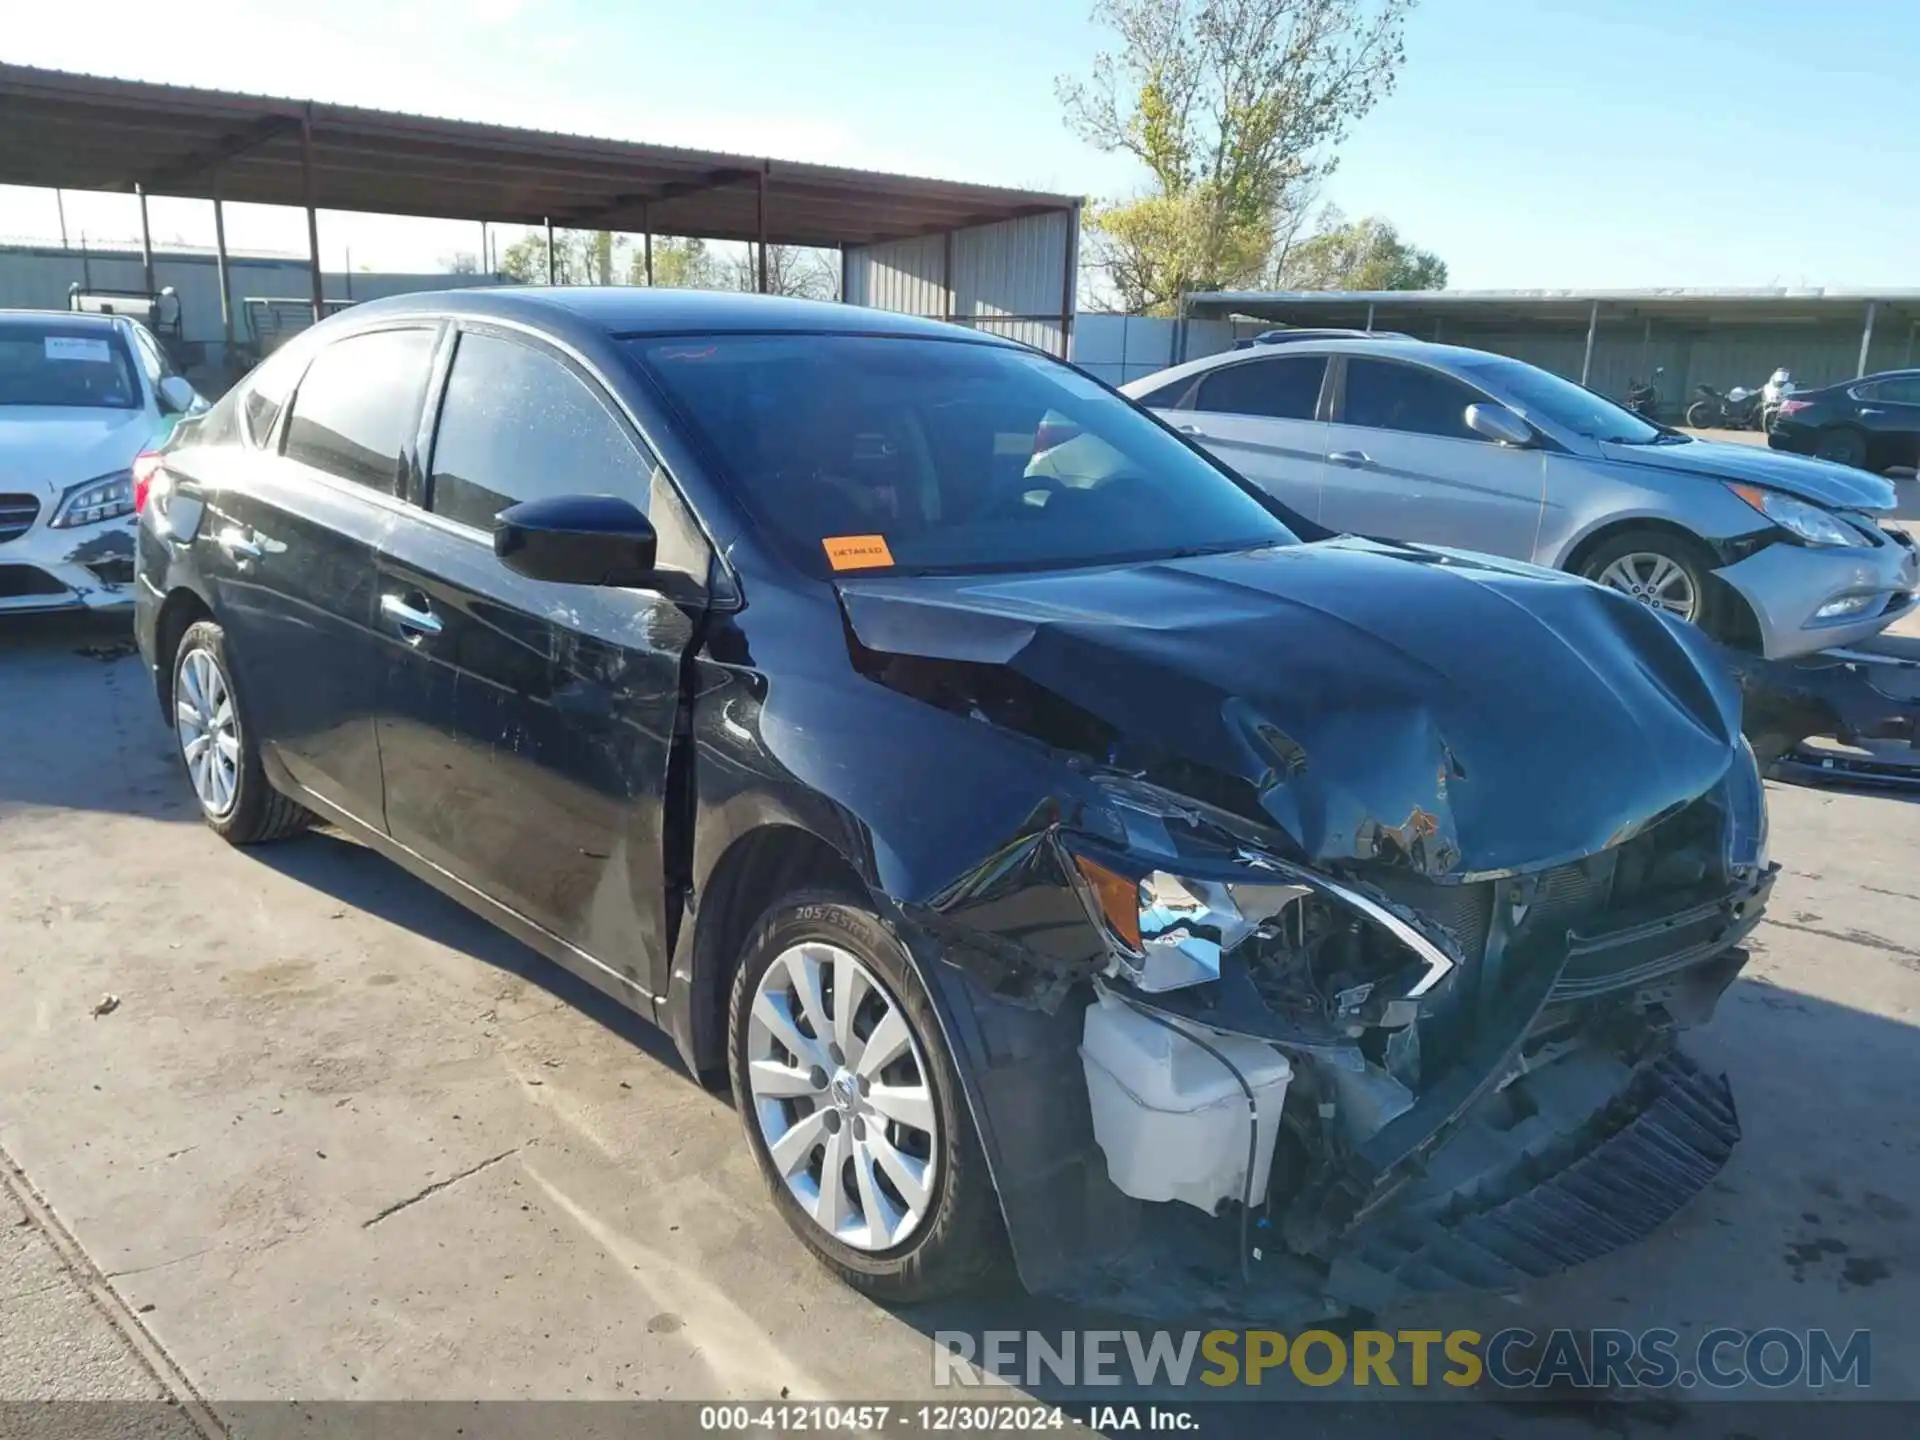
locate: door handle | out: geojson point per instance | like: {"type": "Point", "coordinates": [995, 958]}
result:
{"type": "Point", "coordinates": [1193, 430]}
{"type": "Point", "coordinates": [406, 617]}
{"type": "Point", "coordinates": [1353, 458]}
{"type": "Point", "coordinates": [238, 544]}
{"type": "Point", "coordinates": [1865, 410]}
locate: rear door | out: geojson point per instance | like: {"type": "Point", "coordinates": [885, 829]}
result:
{"type": "Point", "coordinates": [1262, 418]}
{"type": "Point", "coordinates": [1401, 464]}
{"type": "Point", "coordinates": [289, 543]}
{"type": "Point", "coordinates": [1890, 411]}
{"type": "Point", "coordinates": [525, 726]}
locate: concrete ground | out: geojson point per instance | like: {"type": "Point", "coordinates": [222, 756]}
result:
{"type": "Point", "coordinates": [339, 1139]}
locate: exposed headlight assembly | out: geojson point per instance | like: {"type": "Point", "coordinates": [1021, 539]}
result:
{"type": "Point", "coordinates": [1799, 519]}
{"type": "Point", "coordinates": [1169, 930]}
{"type": "Point", "coordinates": [105, 497]}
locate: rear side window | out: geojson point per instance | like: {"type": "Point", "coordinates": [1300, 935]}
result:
{"type": "Point", "coordinates": [1386, 396]}
{"type": "Point", "coordinates": [1900, 390]}
{"type": "Point", "coordinates": [1167, 396]}
{"type": "Point", "coordinates": [1286, 389]}
{"type": "Point", "coordinates": [264, 392]}
{"type": "Point", "coordinates": [517, 424]}
{"type": "Point", "coordinates": [359, 406]}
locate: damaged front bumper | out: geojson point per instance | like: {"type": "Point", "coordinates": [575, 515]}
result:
{"type": "Point", "coordinates": [89, 567]}
{"type": "Point", "coordinates": [1504, 1101]}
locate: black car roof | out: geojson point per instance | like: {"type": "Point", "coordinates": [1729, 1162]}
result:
{"type": "Point", "coordinates": [641, 310]}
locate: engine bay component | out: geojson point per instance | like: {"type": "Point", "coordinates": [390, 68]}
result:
{"type": "Point", "coordinates": [1170, 1117]}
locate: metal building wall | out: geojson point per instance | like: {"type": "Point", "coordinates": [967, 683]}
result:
{"type": "Point", "coordinates": [1014, 278]}
{"type": "Point", "coordinates": [1119, 348]}
{"type": "Point", "coordinates": [1721, 356]}
{"type": "Point", "coordinates": [37, 278]}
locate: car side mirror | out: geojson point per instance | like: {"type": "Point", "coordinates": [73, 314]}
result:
{"type": "Point", "coordinates": [177, 395]}
{"type": "Point", "coordinates": [1498, 423]}
{"type": "Point", "coordinates": [577, 540]}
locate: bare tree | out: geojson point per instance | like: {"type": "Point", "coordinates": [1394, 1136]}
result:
{"type": "Point", "coordinates": [794, 270]}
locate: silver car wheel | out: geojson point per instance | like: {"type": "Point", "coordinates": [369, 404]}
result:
{"type": "Point", "coordinates": [1654, 579]}
{"type": "Point", "coordinates": [209, 731]}
{"type": "Point", "coordinates": [839, 1084]}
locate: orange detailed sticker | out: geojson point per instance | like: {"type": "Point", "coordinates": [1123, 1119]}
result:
{"type": "Point", "coordinates": [857, 552]}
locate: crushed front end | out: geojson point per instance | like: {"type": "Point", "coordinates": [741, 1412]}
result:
{"type": "Point", "coordinates": [1344, 950]}
{"type": "Point", "coordinates": [1479, 1084]}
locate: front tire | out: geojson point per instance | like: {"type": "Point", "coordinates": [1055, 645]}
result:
{"type": "Point", "coordinates": [852, 1105]}
{"type": "Point", "coordinates": [1661, 570]}
{"type": "Point", "coordinates": [221, 759]}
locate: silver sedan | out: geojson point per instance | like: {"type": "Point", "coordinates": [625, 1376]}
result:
{"type": "Point", "coordinates": [1456, 448]}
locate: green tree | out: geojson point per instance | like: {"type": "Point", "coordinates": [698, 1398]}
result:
{"type": "Point", "coordinates": [1234, 108]}
{"type": "Point", "coordinates": [581, 257]}
{"type": "Point", "coordinates": [678, 264]}
{"type": "Point", "coordinates": [1362, 255]}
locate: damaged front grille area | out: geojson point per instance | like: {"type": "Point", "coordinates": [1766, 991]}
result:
{"type": "Point", "coordinates": [1625, 1175]}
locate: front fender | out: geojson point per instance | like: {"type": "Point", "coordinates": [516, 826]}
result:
{"type": "Point", "coordinates": [1585, 499]}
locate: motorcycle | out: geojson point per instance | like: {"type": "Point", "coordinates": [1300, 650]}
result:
{"type": "Point", "coordinates": [1644, 399]}
{"type": "Point", "coordinates": [1778, 387]}
{"type": "Point", "coordinates": [1735, 409]}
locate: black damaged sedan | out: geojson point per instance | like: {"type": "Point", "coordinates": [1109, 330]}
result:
{"type": "Point", "coordinates": [1047, 841]}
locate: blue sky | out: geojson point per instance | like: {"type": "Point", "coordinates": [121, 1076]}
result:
{"type": "Point", "coordinates": [1530, 142]}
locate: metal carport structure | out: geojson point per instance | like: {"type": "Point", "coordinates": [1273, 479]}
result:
{"type": "Point", "coordinates": [973, 253]}
{"type": "Point", "coordinates": [1850, 332]}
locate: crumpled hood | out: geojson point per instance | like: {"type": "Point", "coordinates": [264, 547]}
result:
{"type": "Point", "coordinates": [47, 448]}
{"type": "Point", "coordinates": [1452, 712]}
{"type": "Point", "coordinates": [1822, 481]}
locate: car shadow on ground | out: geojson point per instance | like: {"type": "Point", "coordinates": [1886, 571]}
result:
{"type": "Point", "coordinates": [79, 725]}
{"type": "Point", "coordinates": [329, 862]}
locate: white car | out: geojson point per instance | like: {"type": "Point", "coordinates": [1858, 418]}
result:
{"type": "Point", "coordinates": [81, 396]}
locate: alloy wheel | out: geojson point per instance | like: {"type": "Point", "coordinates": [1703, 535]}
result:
{"type": "Point", "coordinates": [209, 731]}
{"type": "Point", "coordinates": [839, 1086]}
{"type": "Point", "coordinates": [1654, 579]}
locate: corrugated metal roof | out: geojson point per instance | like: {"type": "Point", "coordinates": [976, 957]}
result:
{"type": "Point", "coordinates": [86, 132]}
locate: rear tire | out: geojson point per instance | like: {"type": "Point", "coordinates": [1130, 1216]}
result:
{"type": "Point", "coordinates": [222, 762]}
{"type": "Point", "coordinates": [955, 1236]}
{"type": "Point", "coordinates": [1700, 415]}
{"type": "Point", "coordinates": [1843, 446]}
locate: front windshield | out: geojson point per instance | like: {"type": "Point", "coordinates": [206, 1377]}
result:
{"type": "Point", "coordinates": [56, 363]}
{"type": "Point", "coordinates": [919, 456]}
{"type": "Point", "coordinates": [1540, 395]}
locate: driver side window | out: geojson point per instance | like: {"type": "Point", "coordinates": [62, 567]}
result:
{"type": "Point", "coordinates": [152, 362]}
{"type": "Point", "coordinates": [517, 424]}
{"type": "Point", "coordinates": [1386, 395]}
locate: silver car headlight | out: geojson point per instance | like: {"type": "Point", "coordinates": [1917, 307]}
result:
{"type": "Point", "coordinates": [105, 497]}
{"type": "Point", "coordinates": [1807, 522]}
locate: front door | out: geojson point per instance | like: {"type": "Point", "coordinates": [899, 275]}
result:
{"type": "Point", "coordinates": [525, 726]}
{"type": "Point", "coordinates": [1402, 465]}
{"type": "Point", "coordinates": [295, 513]}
